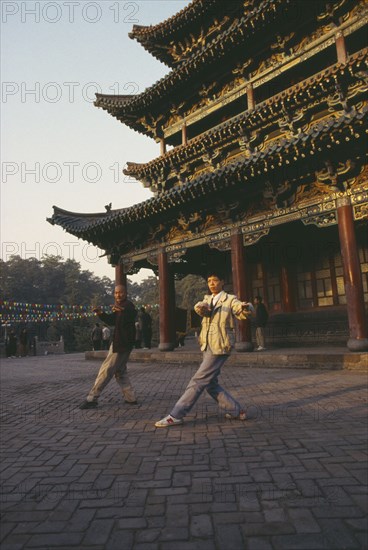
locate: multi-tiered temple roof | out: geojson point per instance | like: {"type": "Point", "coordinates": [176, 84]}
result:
{"type": "Point", "coordinates": [243, 160]}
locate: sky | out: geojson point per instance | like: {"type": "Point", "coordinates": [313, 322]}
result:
{"type": "Point", "coordinates": [56, 147]}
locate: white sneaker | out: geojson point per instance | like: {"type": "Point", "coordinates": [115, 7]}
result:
{"type": "Point", "coordinates": [241, 416]}
{"type": "Point", "coordinates": [168, 421]}
{"type": "Point", "coordinates": [260, 348]}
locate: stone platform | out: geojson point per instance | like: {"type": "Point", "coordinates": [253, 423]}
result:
{"type": "Point", "coordinates": [329, 357]}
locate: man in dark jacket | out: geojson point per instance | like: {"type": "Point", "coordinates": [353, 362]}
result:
{"type": "Point", "coordinates": [115, 364]}
{"type": "Point", "coordinates": [261, 318]}
{"type": "Point", "coordinates": [96, 337]}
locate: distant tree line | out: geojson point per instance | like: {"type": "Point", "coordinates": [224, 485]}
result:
{"type": "Point", "coordinates": [53, 280]}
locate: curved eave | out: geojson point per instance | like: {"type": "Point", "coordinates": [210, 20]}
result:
{"type": "Point", "coordinates": [75, 222]}
{"type": "Point", "coordinates": [155, 38]}
{"type": "Point", "coordinates": [187, 14]}
{"type": "Point", "coordinates": [141, 170]}
{"type": "Point", "coordinates": [321, 137]}
{"type": "Point", "coordinates": [128, 108]}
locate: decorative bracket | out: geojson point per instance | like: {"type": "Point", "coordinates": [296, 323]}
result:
{"type": "Point", "coordinates": [322, 220]}
{"type": "Point", "coordinates": [252, 238]}
{"type": "Point", "coordinates": [221, 241]}
{"type": "Point", "coordinates": [174, 252]}
{"type": "Point", "coordinates": [152, 258]}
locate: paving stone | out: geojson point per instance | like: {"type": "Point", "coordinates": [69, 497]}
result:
{"type": "Point", "coordinates": [201, 526]}
{"type": "Point", "coordinates": [232, 534]}
{"type": "Point", "coordinates": [56, 539]}
{"type": "Point", "coordinates": [147, 535]}
{"type": "Point", "coordinates": [275, 515]}
{"type": "Point", "coordinates": [303, 521]}
{"type": "Point", "coordinates": [15, 542]}
{"type": "Point", "coordinates": [259, 543]}
{"type": "Point", "coordinates": [202, 544]}
{"type": "Point", "coordinates": [146, 546]}
{"type": "Point", "coordinates": [47, 527]}
{"type": "Point", "coordinates": [154, 510]}
{"type": "Point", "coordinates": [81, 520]}
{"type": "Point", "coordinates": [98, 532]}
{"type": "Point", "coordinates": [174, 534]}
{"type": "Point", "coordinates": [300, 542]}
{"type": "Point", "coordinates": [342, 512]}
{"type": "Point", "coordinates": [132, 523]}
{"type": "Point", "coordinates": [292, 478]}
{"type": "Point", "coordinates": [268, 528]}
{"type": "Point", "coordinates": [120, 539]}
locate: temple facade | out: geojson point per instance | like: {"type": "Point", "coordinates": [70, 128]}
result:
{"type": "Point", "coordinates": [261, 129]}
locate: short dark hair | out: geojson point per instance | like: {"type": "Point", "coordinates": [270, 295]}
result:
{"type": "Point", "coordinates": [259, 298]}
{"type": "Point", "coordinates": [216, 273]}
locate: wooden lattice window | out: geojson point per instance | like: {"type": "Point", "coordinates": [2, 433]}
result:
{"type": "Point", "coordinates": [363, 257]}
{"type": "Point", "coordinates": [304, 286]}
{"type": "Point", "coordinates": [341, 296]}
{"type": "Point", "coordinates": [273, 289]}
{"type": "Point", "coordinates": [322, 271]}
{"type": "Point", "coordinates": [257, 280]}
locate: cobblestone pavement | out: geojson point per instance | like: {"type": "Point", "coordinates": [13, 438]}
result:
{"type": "Point", "coordinates": [292, 477]}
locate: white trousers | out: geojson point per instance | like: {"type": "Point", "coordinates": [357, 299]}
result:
{"type": "Point", "coordinates": [115, 364]}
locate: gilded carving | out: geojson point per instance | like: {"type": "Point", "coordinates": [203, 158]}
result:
{"type": "Point", "coordinates": [227, 211]}
{"type": "Point", "coordinates": [322, 220]}
{"type": "Point", "coordinates": [222, 246]}
{"type": "Point", "coordinates": [175, 252]}
{"type": "Point", "coordinates": [273, 61]}
{"type": "Point", "coordinates": [210, 221]}
{"type": "Point", "coordinates": [152, 258]}
{"type": "Point", "coordinates": [362, 178]}
{"type": "Point", "coordinates": [191, 43]}
{"type": "Point", "coordinates": [177, 234]}
{"type": "Point", "coordinates": [128, 264]}
{"type": "Point", "coordinates": [252, 238]}
{"type": "Point", "coordinates": [330, 11]}
{"type": "Point", "coordinates": [281, 42]}
{"type": "Point", "coordinates": [361, 211]}
{"type": "Point", "coordinates": [335, 176]}
{"type": "Point", "coordinates": [241, 69]}
{"type": "Point", "coordinates": [292, 122]}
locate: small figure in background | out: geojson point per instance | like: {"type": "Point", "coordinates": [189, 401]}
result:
{"type": "Point", "coordinates": [180, 337]}
{"type": "Point", "coordinates": [260, 322]}
{"type": "Point", "coordinates": [138, 334]}
{"type": "Point", "coordinates": [146, 326]}
{"type": "Point", "coordinates": [23, 342]}
{"type": "Point", "coordinates": [106, 335]}
{"type": "Point", "coordinates": [96, 337]}
{"type": "Point", "coordinates": [11, 344]}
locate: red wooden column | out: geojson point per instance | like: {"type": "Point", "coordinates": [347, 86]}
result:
{"type": "Point", "coordinates": [184, 134]}
{"type": "Point", "coordinates": [287, 288]}
{"type": "Point", "coordinates": [162, 146]}
{"type": "Point", "coordinates": [251, 98]}
{"type": "Point", "coordinates": [358, 340]}
{"type": "Point", "coordinates": [167, 310]}
{"type": "Point", "coordinates": [244, 334]}
{"type": "Point", "coordinates": [342, 54]}
{"type": "Point", "coordinates": [120, 277]}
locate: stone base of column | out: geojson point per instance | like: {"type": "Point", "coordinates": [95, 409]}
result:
{"type": "Point", "coordinates": [358, 344]}
{"type": "Point", "coordinates": [166, 346]}
{"type": "Point", "coordinates": [244, 346]}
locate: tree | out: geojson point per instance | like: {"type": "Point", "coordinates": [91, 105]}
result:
{"type": "Point", "coordinates": [54, 281]}
{"type": "Point", "coordinates": [190, 290]}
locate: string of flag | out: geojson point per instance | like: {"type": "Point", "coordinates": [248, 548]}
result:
{"type": "Point", "coordinates": [23, 312]}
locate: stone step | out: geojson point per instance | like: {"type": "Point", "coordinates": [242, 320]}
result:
{"type": "Point", "coordinates": [304, 358]}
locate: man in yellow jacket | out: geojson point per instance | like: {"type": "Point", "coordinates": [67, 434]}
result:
{"type": "Point", "coordinates": [216, 310]}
